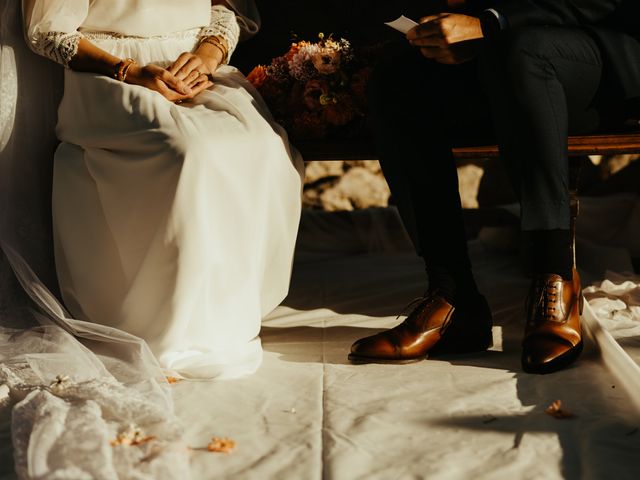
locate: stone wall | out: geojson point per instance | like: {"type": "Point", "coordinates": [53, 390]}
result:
{"type": "Point", "coordinates": [351, 185]}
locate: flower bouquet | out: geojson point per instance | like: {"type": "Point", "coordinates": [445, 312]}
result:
{"type": "Point", "coordinates": [316, 90]}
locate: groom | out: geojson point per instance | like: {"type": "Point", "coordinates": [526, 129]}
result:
{"type": "Point", "coordinates": [524, 73]}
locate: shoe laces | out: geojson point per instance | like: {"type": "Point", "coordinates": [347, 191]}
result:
{"type": "Point", "coordinates": [544, 299]}
{"type": "Point", "coordinates": [426, 298]}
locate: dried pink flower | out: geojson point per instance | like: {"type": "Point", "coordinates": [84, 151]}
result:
{"type": "Point", "coordinates": [314, 91]}
{"type": "Point", "coordinates": [326, 60]}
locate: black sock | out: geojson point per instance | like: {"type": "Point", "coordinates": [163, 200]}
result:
{"type": "Point", "coordinates": [451, 284]}
{"type": "Point", "coordinates": [552, 253]}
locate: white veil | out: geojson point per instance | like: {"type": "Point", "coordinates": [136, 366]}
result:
{"type": "Point", "coordinates": [40, 344]}
{"type": "Point", "coordinates": [248, 16]}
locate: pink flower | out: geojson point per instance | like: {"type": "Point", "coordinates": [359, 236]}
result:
{"type": "Point", "coordinates": [326, 60]}
{"type": "Point", "coordinates": [300, 62]}
{"type": "Point", "coordinates": [340, 111]}
{"type": "Point", "coordinates": [314, 92]}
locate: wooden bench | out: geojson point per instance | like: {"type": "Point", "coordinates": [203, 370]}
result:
{"type": "Point", "coordinates": [363, 149]}
{"type": "Point", "coordinates": [600, 144]}
{"type": "Point", "coordinates": [597, 144]}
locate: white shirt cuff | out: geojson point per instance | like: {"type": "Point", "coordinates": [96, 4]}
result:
{"type": "Point", "coordinates": [501, 18]}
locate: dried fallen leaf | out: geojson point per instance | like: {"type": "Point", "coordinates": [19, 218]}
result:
{"type": "Point", "coordinates": [221, 445]}
{"type": "Point", "coordinates": [556, 411]}
{"type": "Point", "coordinates": [131, 437]}
{"type": "Point", "coordinates": [127, 442]}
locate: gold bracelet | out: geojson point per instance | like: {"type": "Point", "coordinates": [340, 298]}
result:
{"type": "Point", "coordinates": [216, 40]}
{"type": "Point", "coordinates": [219, 43]}
{"type": "Point", "coordinates": [122, 68]}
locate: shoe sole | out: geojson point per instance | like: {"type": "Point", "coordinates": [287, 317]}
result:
{"type": "Point", "coordinates": [358, 360]}
{"type": "Point", "coordinates": [556, 364]}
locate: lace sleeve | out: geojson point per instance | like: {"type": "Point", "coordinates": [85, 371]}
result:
{"type": "Point", "coordinates": [52, 27]}
{"type": "Point", "coordinates": [225, 25]}
{"type": "Point", "coordinates": [57, 46]}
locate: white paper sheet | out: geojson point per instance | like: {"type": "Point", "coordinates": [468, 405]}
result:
{"type": "Point", "coordinates": [402, 24]}
{"type": "Point", "coordinates": [310, 414]}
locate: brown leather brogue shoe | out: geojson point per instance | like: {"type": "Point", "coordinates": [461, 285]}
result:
{"type": "Point", "coordinates": [432, 323]}
{"type": "Point", "coordinates": [553, 336]}
{"type": "Point", "coordinates": [470, 330]}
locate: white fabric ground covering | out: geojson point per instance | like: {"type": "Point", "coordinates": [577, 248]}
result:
{"type": "Point", "coordinates": [309, 414]}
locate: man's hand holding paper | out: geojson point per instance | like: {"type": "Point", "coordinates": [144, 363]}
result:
{"type": "Point", "coordinates": [447, 38]}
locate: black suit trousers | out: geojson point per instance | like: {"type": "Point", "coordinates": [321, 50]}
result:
{"type": "Point", "coordinates": [528, 90]}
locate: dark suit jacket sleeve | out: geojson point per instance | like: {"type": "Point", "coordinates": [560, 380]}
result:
{"type": "Point", "coordinates": [555, 12]}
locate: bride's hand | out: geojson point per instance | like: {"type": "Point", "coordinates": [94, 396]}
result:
{"type": "Point", "coordinates": [163, 81]}
{"type": "Point", "coordinates": [191, 67]}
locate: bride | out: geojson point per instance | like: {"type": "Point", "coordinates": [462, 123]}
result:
{"type": "Point", "coordinates": [176, 198]}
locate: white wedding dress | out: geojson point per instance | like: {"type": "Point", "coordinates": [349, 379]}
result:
{"type": "Point", "coordinates": [174, 227]}
{"type": "Point", "coordinates": [175, 223]}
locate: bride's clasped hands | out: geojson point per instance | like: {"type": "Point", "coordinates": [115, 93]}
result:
{"type": "Point", "coordinates": [167, 84]}
{"type": "Point", "coordinates": [184, 79]}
